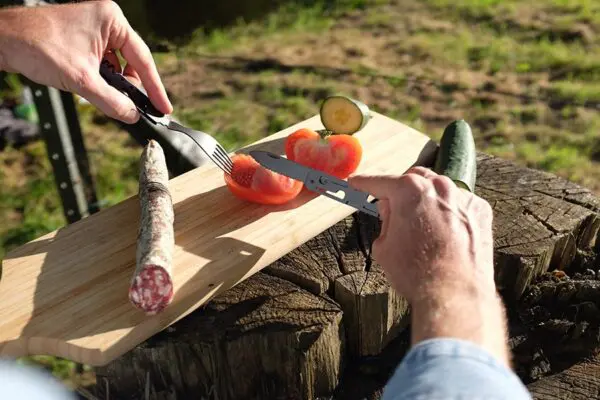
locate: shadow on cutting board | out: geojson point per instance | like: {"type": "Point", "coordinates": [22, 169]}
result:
{"type": "Point", "coordinates": [73, 302]}
{"type": "Point", "coordinates": [225, 254]}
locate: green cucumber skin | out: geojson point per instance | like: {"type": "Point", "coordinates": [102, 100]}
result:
{"type": "Point", "coordinates": [364, 111]}
{"type": "Point", "coordinates": [363, 108]}
{"type": "Point", "coordinates": [457, 157]}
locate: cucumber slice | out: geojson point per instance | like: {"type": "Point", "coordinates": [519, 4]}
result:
{"type": "Point", "coordinates": [343, 115]}
{"type": "Point", "coordinates": [457, 158]}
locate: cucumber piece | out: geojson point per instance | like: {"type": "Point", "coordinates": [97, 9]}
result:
{"type": "Point", "coordinates": [344, 115]}
{"type": "Point", "coordinates": [456, 156]}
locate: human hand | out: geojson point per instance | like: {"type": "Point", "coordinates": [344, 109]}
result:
{"type": "Point", "coordinates": [435, 237]}
{"type": "Point", "coordinates": [62, 46]}
{"type": "Point", "coordinates": [436, 248]}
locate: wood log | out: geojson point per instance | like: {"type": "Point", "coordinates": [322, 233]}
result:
{"type": "Point", "coordinates": [265, 338]}
{"type": "Point", "coordinates": [342, 249]}
{"type": "Point", "coordinates": [373, 312]}
{"type": "Point", "coordinates": [246, 342]}
{"type": "Point", "coordinates": [559, 321]}
{"type": "Point", "coordinates": [580, 382]}
{"type": "Point", "coordinates": [540, 220]}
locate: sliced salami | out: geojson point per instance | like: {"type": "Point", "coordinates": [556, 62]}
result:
{"type": "Point", "coordinates": [151, 288]}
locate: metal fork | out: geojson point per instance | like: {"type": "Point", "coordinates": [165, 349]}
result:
{"type": "Point", "coordinates": [208, 144]}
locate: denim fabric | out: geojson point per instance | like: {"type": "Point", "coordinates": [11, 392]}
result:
{"type": "Point", "coordinates": [445, 368]}
{"type": "Point", "coordinates": [434, 369]}
{"type": "Point", "coordinates": [28, 382]}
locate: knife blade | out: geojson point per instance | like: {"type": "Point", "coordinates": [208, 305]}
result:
{"type": "Point", "coordinates": [317, 181]}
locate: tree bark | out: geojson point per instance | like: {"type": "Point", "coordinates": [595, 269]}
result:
{"type": "Point", "coordinates": [264, 338]}
{"type": "Point", "coordinates": [323, 318]}
{"type": "Point", "coordinates": [374, 313]}
{"type": "Point", "coordinates": [580, 382]}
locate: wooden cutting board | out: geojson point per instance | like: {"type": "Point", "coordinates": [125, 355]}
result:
{"type": "Point", "coordinates": [65, 294]}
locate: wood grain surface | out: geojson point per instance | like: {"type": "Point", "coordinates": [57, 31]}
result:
{"type": "Point", "coordinates": [65, 293]}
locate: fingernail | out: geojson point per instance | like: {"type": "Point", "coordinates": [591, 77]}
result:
{"type": "Point", "coordinates": [133, 115]}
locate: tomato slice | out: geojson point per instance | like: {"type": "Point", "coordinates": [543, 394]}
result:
{"type": "Point", "coordinates": [252, 182]}
{"type": "Point", "coordinates": [337, 155]}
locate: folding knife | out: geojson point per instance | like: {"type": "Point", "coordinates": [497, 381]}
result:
{"type": "Point", "coordinates": [317, 181]}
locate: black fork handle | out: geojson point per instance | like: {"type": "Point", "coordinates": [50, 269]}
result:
{"type": "Point", "coordinates": [119, 82]}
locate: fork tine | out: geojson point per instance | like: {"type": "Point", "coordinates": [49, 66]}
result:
{"type": "Point", "coordinates": [225, 155]}
{"type": "Point", "coordinates": [219, 163]}
{"type": "Point", "coordinates": [227, 159]}
{"type": "Point", "coordinates": [218, 156]}
{"type": "Point", "coordinates": [229, 162]}
{"type": "Point", "coordinates": [222, 150]}
{"type": "Point", "coordinates": [222, 161]}
{"type": "Point", "coordinates": [222, 154]}
{"type": "Point", "coordinates": [222, 158]}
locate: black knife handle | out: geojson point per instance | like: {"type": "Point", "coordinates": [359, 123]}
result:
{"type": "Point", "coordinates": [119, 82]}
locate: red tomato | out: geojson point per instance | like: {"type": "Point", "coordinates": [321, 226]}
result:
{"type": "Point", "coordinates": [337, 155]}
{"type": "Point", "coordinates": [252, 182]}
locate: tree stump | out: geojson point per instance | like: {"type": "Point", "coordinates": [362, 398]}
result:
{"type": "Point", "coordinates": [373, 312]}
{"type": "Point", "coordinates": [265, 338]}
{"type": "Point", "coordinates": [580, 382]}
{"type": "Point", "coordinates": [540, 221]}
{"type": "Point", "coordinates": [323, 317]}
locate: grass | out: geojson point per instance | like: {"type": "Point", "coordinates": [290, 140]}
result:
{"type": "Point", "coordinates": [291, 17]}
{"type": "Point", "coordinates": [576, 92]}
{"type": "Point", "coordinates": [35, 199]}
{"type": "Point", "coordinates": [525, 75]}
{"type": "Point", "coordinates": [481, 49]}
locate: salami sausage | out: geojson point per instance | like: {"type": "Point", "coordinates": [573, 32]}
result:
{"type": "Point", "coordinates": [151, 288]}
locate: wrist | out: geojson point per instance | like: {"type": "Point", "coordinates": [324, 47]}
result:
{"type": "Point", "coordinates": [450, 311]}
{"type": "Point", "coordinates": [466, 311]}
{"type": "Point", "coordinates": [2, 64]}
{"type": "Point", "coordinates": [8, 20]}
{"type": "Point", "coordinates": [447, 287]}
{"type": "Point", "coordinates": [3, 40]}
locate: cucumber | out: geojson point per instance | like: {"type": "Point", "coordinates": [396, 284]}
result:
{"type": "Point", "coordinates": [456, 157]}
{"type": "Point", "coordinates": [343, 115]}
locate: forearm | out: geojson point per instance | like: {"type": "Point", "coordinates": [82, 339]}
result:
{"type": "Point", "coordinates": [12, 30]}
{"type": "Point", "coordinates": [470, 312]}
{"type": "Point", "coordinates": [5, 20]}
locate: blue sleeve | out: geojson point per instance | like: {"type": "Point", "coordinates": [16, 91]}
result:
{"type": "Point", "coordinates": [446, 368]}
{"type": "Point", "coordinates": [30, 382]}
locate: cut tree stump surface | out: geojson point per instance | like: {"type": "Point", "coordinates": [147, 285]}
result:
{"type": "Point", "coordinates": [540, 221]}
{"type": "Point", "coordinates": [294, 330]}
{"type": "Point", "coordinates": [580, 382]}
